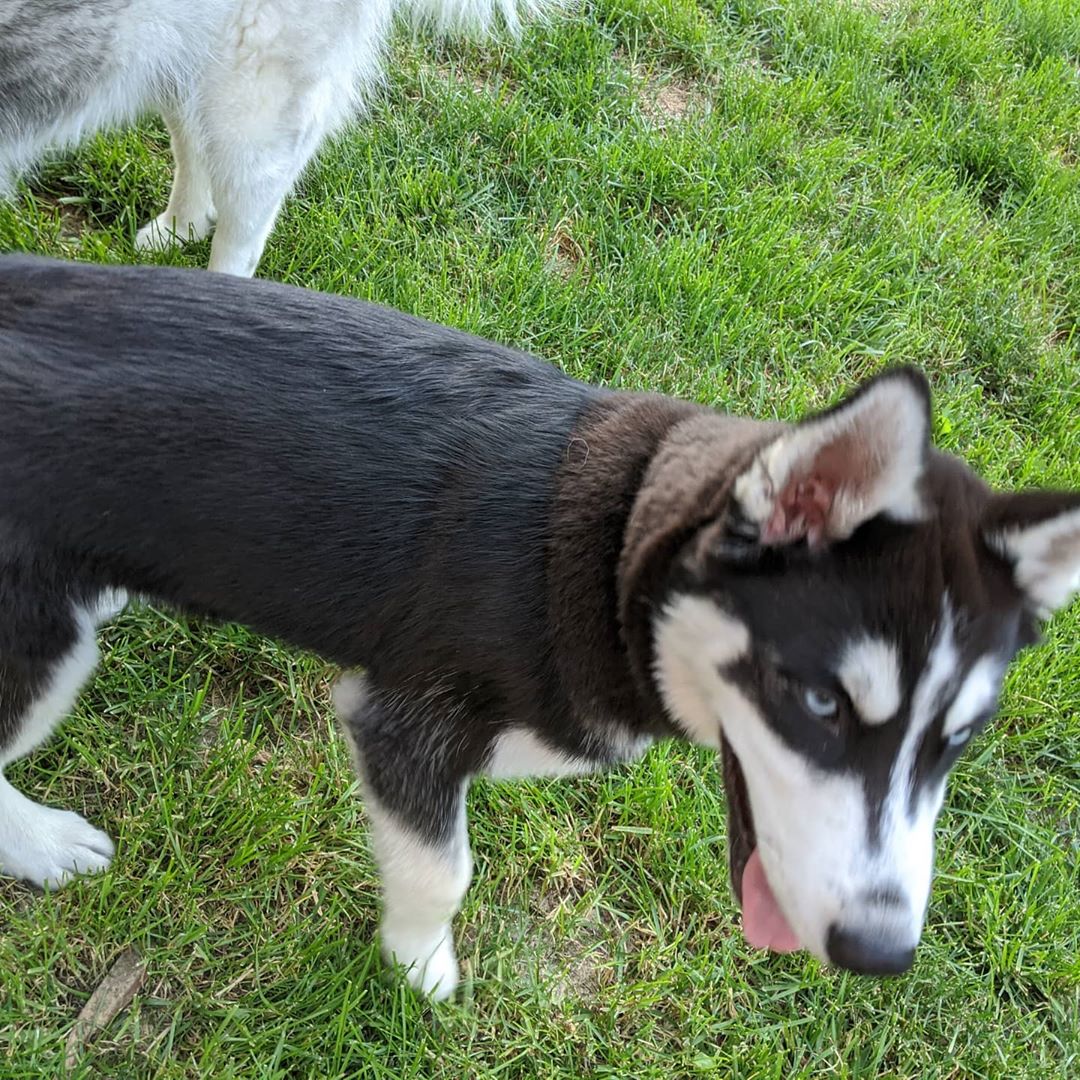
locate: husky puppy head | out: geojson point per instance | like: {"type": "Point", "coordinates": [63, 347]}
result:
{"type": "Point", "coordinates": [841, 631]}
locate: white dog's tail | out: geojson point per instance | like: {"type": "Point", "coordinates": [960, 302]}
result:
{"type": "Point", "coordinates": [479, 16]}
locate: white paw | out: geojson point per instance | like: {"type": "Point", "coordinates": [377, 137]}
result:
{"type": "Point", "coordinates": [49, 847]}
{"type": "Point", "coordinates": [430, 968]}
{"type": "Point", "coordinates": [167, 230]}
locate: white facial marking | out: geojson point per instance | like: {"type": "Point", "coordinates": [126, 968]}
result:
{"type": "Point", "coordinates": [814, 826]}
{"type": "Point", "coordinates": [693, 637]}
{"type": "Point", "coordinates": [870, 673]}
{"type": "Point", "coordinates": [976, 695]}
{"type": "Point", "coordinates": [805, 820]}
{"type": "Point", "coordinates": [810, 824]}
{"type": "Point", "coordinates": [906, 836]}
{"type": "Point", "coordinates": [940, 671]}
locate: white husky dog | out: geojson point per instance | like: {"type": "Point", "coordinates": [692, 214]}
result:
{"type": "Point", "coordinates": [248, 89]}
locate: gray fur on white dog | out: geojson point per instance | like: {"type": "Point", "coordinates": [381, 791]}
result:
{"type": "Point", "coordinates": [248, 89]}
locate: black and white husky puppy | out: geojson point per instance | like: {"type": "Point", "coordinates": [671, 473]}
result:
{"type": "Point", "coordinates": [248, 89]}
{"type": "Point", "coordinates": [536, 577]}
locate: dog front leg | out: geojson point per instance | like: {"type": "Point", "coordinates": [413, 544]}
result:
{"type": "Point", "coordinates": [419, 836]}
{"type": "Point", "coordinates": [190, 213]}
{"type": "Point", "coordinates": [423, 884]}
{"type": "Point", "coordinates": [47, 653]}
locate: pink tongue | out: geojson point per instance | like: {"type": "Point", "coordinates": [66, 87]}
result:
{"type": "Point", "coordinates": [764, 925]}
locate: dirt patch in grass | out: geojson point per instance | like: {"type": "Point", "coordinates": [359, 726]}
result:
{"type": "Point", "coordinates": [73, 216]}
{"type": "Point", "coordinates": [481, 72]}
{"type": "Point", "coordinates": [568, 952]}
{"type": "Point", "coordinates": [565, 256]}
{"type": "Point", "coordinates": [667, 98]}
{"type": "Point", "coordinates": [1066, 153]}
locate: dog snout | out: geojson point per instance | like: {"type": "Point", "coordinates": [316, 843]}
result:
{"type": "Point", "coordinates": [884, 897]}
{"type": "Point", "coordinates": [867, 954]}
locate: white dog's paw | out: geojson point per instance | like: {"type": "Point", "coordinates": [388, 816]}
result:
{"type": "Point", "coordinates": [430, 967]}
{"type": "Point", "coordinates": [167, 230]}
{"type": "Point", "coordinates": [49, 847]}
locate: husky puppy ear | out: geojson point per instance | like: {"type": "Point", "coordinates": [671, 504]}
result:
{"type": "Point", "coordinates": [1038, 533]}
{"type": "Point", "coordinates": [838, 469]}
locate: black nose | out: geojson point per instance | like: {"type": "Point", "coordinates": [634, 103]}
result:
{"type": "Point", "coordinates": [866, 956]}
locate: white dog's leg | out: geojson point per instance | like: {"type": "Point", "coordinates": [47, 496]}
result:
{"type": "Point", "coordinates": [250, 182]}
{"type": "Point", "coordinates": [190, 212]}
{"type": "Point", "coordinates": [282, 84]}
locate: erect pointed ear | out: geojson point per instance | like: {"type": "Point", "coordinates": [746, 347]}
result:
{"type": "Point", "coordinates": [1039, 533]}
{"type": "Point", "coordinates": [864, 457]}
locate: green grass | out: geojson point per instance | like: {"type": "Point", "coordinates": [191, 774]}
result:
{"type": "Point", "coordinates": [753, 204]}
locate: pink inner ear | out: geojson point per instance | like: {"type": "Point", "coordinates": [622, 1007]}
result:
{"type": "Point", "coordinates": [806, 501]}
{"type": "Point", "coordinates": [802, 510]}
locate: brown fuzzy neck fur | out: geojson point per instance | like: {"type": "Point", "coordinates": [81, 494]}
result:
{"type": "Point", "coordinates": [641, 474]}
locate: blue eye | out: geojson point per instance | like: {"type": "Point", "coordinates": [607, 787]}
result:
{"type": "Point", "coordinates": [820, 703]}
{"type": "Point", "coordinates": [958, 738]}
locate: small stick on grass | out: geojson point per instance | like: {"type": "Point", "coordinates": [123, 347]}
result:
{"type": "Point", "coordinates": [112, 996]}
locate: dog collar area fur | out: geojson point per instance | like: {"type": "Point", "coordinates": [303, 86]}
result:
{"type": "Point", "coordinates": [642, 475]}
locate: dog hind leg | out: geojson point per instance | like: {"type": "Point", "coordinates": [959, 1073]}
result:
{"type": "Point", "coordinates": [47, 651]}
{"type": "Point", "coordinates": [419, 837]}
